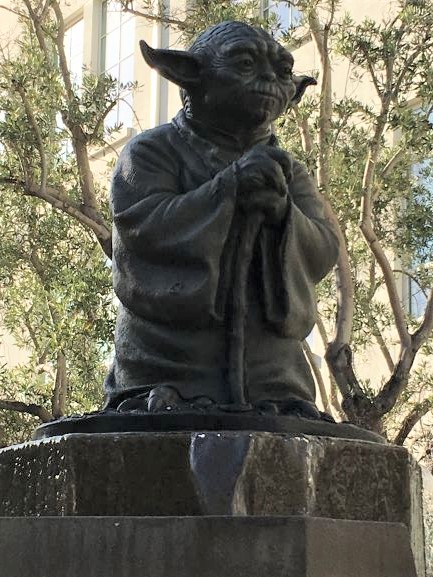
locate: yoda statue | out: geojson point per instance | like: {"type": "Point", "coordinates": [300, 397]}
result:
{"type": "Point", "coordinates": [219, 239]}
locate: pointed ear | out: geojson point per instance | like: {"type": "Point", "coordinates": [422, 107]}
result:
{"type": "Point", "coordinates": [301, 83]}
{"type": "Point", "coordinates": [178, 66]}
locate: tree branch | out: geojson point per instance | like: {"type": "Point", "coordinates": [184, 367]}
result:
{"type": "Point", "coordinates": [37, 132]}
{"type": "Point", "coordinates": [61, 201]}
{"type": "Point", "coordinates": [338, 354]}
{"type": "Point", "coordinates": [372, 319]}
{"type": "Point", "coordinates": [86, 213]}
{"type": "Point", "coordinates": [386, 398]}
{"type": "Point", "coordinates": [392, 163]}
{"type": "Point", "coordinates": [63, 62]}
{"type": "Point", "coordinates": [425, 330]}
{"type": "Point", "coordinates": [334, 387]}
{"type": "Point", "coordinates": [320, 38]}
{"type": "Point", "coordinates": [154, 17]}
{"type": "Point", "coordinates": [373, 76]}
{"type": "Point", "coordinates": [335, 402]}
{"type": "Point", "coordinates": [79, 138]}
{"type": "Point", "coordinates": [366, 225]}
{"type": "Point", "coordinates": [318, 376]}
{"type": "Point", "coordinates": [304, 131]}
{"type": "Point", "coordinates": [412, 277]}
{"type": "Point", "coordinates": [322, 331]}
{"type": "Point", "coordinates": [418, 411]}
{"type": "Point", "coordinates": [31, 409]}
{"type": "Point", "coordinates": [382, 344]}
{"type": "Point", "coordinates": [393, 295]}
{"type": "Point", "coordinates": [58, 401]}
{"type": "Point", "coordinates": [102, 118]}
{"type": "Point", "coordinates": [40, 271]}
{"type": "Point", "coordinates": [406, 68]}
{"type": "Point", "coordinates": [20, 14]}
{"type": "Point", "coordinates": [30, 330]}
{"type": "Point", "coordinates": [42, 361]}
{"type": "Point", "coordinates": [39, 31]}
{"type": "Point", "coordinates": [44, 9]}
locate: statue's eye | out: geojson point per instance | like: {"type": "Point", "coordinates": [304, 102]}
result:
{"type": "Point", "coordinates": [245, 64]}
{"type": "Point", "coordinates": [285, 71]}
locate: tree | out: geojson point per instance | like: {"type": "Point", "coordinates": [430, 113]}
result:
{"type": "Point", "coordinates": [55, 293]}
{"type": "Point", "coordinates": [378, 202]}
{"type": "Point", "coordinates": [381, 206]}
{"type": "Point", "coordinates": [38, 96]}
{"type": "Point", "coordinates": [56, 298]}
{"type": "Point", "coordinates": [368, 182]}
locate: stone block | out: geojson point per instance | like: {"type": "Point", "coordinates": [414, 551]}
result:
{"type": "Point", "coordinates": [223, 473]}
{"type": "Point", "coordinates": [210, 473]}
{"type": "Point", "coordinates": [202, 547]}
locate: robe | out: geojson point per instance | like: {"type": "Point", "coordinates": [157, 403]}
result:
{"type": "Point", "coordinates": [175, 234]}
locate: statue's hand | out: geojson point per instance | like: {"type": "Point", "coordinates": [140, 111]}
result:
{"type": "Point", "coordinates": [271, 204]}
{"type": "Point", "coordinates": [264, 167]}
{"type": "Point", "coordinates": [263, 173]}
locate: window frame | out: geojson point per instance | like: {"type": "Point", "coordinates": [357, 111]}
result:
{"type": "Point", "coordinates": [412, 290]}
{"type": "Point", "coordinates": [293, 19]}
{"type": "Point", "coordinates": [126, 100]}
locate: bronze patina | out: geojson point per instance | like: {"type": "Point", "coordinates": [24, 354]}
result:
{"type": "Point", "coordinates": [219, 239]}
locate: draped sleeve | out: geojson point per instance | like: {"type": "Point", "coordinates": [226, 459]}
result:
{"type": "Point", "coordinates": [305, 249]}
{"type": "Point", "coordinates": [168, 242]}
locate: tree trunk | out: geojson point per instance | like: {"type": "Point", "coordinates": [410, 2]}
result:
{"type": "Point", "coordinates": [58, 402]}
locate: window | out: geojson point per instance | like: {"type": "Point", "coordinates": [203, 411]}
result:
{"type": "Point", "coordinates": [117, 57]}
{"type": "Point", "coordinates": [416, 298]}
{"type": "Point", "coordinates": [73, 45]}
{"type": "Point", "coordinates": [422, 258]}
{"type": "Point", "coordinates": [288, 16]}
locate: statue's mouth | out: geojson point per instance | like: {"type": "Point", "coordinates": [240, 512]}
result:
{"type": "Point", "coordinates": [267, 100]}
{"type": "Point", "coordinates": [268, 94]}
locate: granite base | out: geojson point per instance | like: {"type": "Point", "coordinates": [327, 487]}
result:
{"type": "Point", "coordinates": [202, 547]}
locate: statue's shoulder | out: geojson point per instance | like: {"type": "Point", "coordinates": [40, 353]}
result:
{"type": "Point", "coordinates": [300, 175]}
{"type": "Point", "coordinates": [160, 140]}
{"type": "Point", "coordinates": [298, 167]}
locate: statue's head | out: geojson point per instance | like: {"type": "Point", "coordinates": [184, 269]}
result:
{"type": "Point", "coordinates": [235, 70]}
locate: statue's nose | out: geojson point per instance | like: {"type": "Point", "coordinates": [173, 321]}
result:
{"type": "Point", "coordinates": [268, 73]}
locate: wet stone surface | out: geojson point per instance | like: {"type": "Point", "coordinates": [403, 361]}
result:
{"type": "Point", "coordinates": [207, 473]}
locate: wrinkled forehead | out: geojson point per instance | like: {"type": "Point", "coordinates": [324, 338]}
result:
{"type": "Point", "coordinates": [258, 45]}
{"type": "Point", "coordinates": [233, 37]}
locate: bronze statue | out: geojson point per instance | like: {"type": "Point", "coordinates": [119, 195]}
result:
{"type": "Point", "coordinates": [219, 239]}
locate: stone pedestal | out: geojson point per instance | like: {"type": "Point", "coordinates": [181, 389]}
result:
{"type": "Point", "coordinates": [202, 547]}
{"type": "Point", "coordinates": [238, 504]}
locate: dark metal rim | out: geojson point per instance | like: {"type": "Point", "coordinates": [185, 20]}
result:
{"type": "Point", "coordinates": [184, 422]}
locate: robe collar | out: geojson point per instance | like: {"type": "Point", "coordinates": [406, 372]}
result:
{"type": "Point", "coordinates": [218, 149]}
{"type": "Point", "coordinates": [214, 157]}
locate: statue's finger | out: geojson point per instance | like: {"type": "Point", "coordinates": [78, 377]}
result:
{"type": "Point", "coordinates": [276, 179]}
{"type": "Point", "coordinates": [282, 158]}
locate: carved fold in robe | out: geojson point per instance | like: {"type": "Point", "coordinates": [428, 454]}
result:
{"type": "Point", "coordinates": [176, 230]}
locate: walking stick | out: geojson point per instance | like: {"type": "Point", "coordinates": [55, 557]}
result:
{"type": "Point", "coordinates": [237, 372]}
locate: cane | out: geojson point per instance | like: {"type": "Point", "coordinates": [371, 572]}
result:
{"type": "Point", "coordinates": [237, 372]}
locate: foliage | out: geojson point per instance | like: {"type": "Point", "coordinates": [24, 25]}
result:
{"type": "Point", "coordinates": [380, 190]}
{"type": "Point", "coordinates": [56, 300]}
{"type": "Point", "coordinates": [197, 16]}
{"type": "Point", "coordinates": [55, 286]}
{"type": "Point", "coordinates": [377, 190]}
